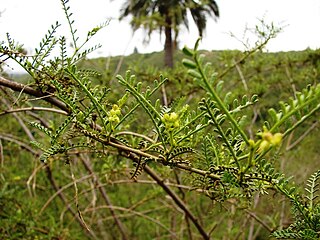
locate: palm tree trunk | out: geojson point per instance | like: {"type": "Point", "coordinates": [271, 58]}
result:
{"type": "Point", "coordinates": [168, 55]}
{"type": "Point", "coordinates": [168, 45]}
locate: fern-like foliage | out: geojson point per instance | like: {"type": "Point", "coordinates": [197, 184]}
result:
{"type": "Point", "coordinates": [46, 46]}
{"type": "Point", "coordinates": [241, 162]}
{"type": "Point", "coordinates": [297, 110]}
{"type": "Point", "coordinates": [68, 15]}
{"type": "Point", "coordinates": [139, 166]}
{"type": "Point", "coordinates": [306, 212]}
{"type": "Point", "coordinates": [312, 189]}
{"type": "Point", "coordinates": [42, 128]}
{"type": "Point", "coordinates": [51, 151]}
{"type": "Point", "coordinates": [142, 99]}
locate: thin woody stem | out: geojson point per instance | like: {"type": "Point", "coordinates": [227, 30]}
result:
{"type": "Point", "coordinates": [177, 200]}
{"type": "Point", "coordinates": [33, 109]}
{"type": "Point", "coordinates": [104, 195]}
{"type": "Point", "coordinates": [48, 97]}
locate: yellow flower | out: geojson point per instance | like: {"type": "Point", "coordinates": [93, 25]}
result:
{"type": "Point", "coordinates": [269, 140]}
{"type": "Point", "coordinates": [276, 139]}
{"type": "Point", "coordinates": [263, 146]}
{"type": "Point", "coordinates": [114, 113]}
{"type": "Point", "coordinates": [267, 136]}
{"type": "Point", "coordinates": [171, 121]}
{"type": "Point", "coordinates": [251, 143]}
{"type": "Point", "coordinates": [115, 110]}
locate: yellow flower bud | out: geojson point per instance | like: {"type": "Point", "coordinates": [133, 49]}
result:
{"type": "Point", "coordinates": [165, 117]}
{"type": "Point", "coordinates": [269, 140]}
{"type": "Point", "coordinates": [114, 119]}
{"type": "Point", "coordinates": [267, 136]}
{"type": "Point", "coordinates": [173, 117]}
{"type": "Point", "coordinates": [263, 146]}
{"type": "Point", "coordinates": [171, 121]}
{"type": "Point", "coordinates": [114, 113]}
{"type": "Point", "coordinates": [251, 143]}
{"type": "Point", "coordinates": [115, 110]}
{"type": "Point", "coordinates": [176, 124]}
{"type": "Point", "coordinates": [276, 139]}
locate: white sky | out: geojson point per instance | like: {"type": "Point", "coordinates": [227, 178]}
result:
{"type": "Point", "coordinates": [28, 20]}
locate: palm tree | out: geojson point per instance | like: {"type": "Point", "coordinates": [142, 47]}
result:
{"type": "Point", "coordinates": [168, 15]}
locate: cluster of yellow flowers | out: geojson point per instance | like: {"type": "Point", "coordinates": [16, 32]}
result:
{"type": "Point", "coordinates": [171, 121]}
{"type": "Point", "coordinates": [114, 113]}
{"type": "Point", "coordinates": [269, 140]}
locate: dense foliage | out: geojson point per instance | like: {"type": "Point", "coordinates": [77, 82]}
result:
{"type": "Point", "coordinates": [92, 152]}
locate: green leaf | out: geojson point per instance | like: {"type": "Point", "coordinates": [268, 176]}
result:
{"type": "Point", "coordinates": [194, 73]}
{"type": "Point", "coordinates": [254, 98]}
{"type": "Point", "coordinates": [197, 44]}
{"type": "Point", "coordinates": [219, 86]}
{"type": "Point", "coordinates": [273, 114]}
{"type": "Point", "coordinates": [187, 51]}
{"type": "Point", "coordinates": [189, 63]}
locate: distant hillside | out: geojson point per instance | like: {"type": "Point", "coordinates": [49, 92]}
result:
{"type": "Point", "coordinates": [260, 63]}
{"type": "Point", "coordinates": [270, 75]}
{"type": "Point", "coordinates": [220, 59]}
{"type": "Point", "coordinates": [264, 73]}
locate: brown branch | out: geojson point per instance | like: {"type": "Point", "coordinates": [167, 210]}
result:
{"type": "Point", "coordinates": [65, 202]}
{"type": "Point", "coordinates": [254, 216]}
{"type": "Point", "coordinates": [104, 195]}
{"type": "Point", "coordinates": [177, 200]}
{"type": "Point", "coordinates": [114, 143]}
{"type": "Point", "coordinates": [183, 196]}
{"type": "Point", "coordinates": [300, 139]}
{"type": "Point", "coordinates": [37, 93]}
{"type": "Point", "coordinates": [154, 182]}
{"type": "Point", "coordinates": [61, 189]}
{"type": "Point", "coordinates": [136, 135]}
{"type": "Point", "coordinates": [198, 171]}
{"type": "Point", "coordinates": [140, 214]}
{"type": "Point", "coordinates": [33, 109]}
{"type": "Point", "coordinates": [20, 121]}
{"type": "Point", "coordinates": [11, 138]}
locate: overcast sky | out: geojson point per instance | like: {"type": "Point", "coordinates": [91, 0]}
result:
{"type": "Point", "coordinates": [28, 21]}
